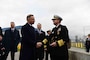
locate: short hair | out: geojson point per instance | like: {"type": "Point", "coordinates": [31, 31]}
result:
{"type": "Point", "coordinates": [39, 24]}
{"type": "Point", "coordinates": [88, 34]}
{"type": "Point", "coordinates": [12, 22]}
{"type": "Point", "coordinates": [28, 16]}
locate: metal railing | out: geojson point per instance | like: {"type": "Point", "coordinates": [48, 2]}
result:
{"type": "Point", "coordinates": [77, 44]}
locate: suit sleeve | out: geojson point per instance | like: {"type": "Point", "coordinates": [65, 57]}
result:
{"type": "Point", "coordinates": [18, 37]}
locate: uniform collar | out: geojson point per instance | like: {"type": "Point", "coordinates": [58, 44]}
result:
{"type": "Point", "coordinates": [48, 35]}
{"type": "Point", "coordinates": [57, 25]}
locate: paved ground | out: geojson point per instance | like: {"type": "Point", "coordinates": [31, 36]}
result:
{"type": "Point", "coordinates": [72, 49]}
{"type": "Point", "coordinates": [16, 56]}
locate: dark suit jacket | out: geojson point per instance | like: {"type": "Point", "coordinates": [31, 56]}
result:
{"type": "Point", "coordinates": [11, 40]}
{"type": "Point", "coordinates": [87, 43]}
{"type": "Point", "coordinates": [28, 43]}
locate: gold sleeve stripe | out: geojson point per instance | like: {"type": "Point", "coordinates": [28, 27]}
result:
{"type": "Point", "coordinates": [45, 41]}
{"type": "Point", "coordinates": [45, 46]}
{"type": "Point", "coordinates": [60, 42]}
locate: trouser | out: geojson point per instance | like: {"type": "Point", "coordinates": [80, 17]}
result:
{"type": "Point", "coordinates": [2, 57]}
{"type": "Point", "coordinates": [87, 45]}
{"type": "Point", "coordinates": [40, 53]}
{"type": "Point", "coordinates": [46, 58]}
{"type": "Point", "coordinates": [39, 58]}
{"type": "Point", "coordinates": [59, 57]}
{"type": "Point", "coordinates": [87, 49]}
{"type": "Point", "coordinates": [12, 55]}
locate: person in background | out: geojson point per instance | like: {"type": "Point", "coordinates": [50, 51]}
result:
{"type": "Point", "coordinates": [46, 46]}
{"type": "Point", "coordinates": [87, 43]}
{"type": "Point", "coordinates": [41, 36]}
{"type": "Point", "coordinates": [10, 40]}
{"type": "Point", "coordinates": [29, 43]}
{"type": "Point", "coordinates": [2, 49]}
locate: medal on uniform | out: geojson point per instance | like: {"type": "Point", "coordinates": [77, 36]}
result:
{"type": "Point", "coordinates": [52, 39]}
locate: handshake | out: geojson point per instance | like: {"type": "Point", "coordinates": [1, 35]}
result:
{"type": "Point", "coordinates": [38, 44]}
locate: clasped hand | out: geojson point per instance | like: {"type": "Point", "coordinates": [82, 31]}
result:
{"type": "Point", "coordinates": [38, 44]}
{"type": "Point", "coordinates": [53, 44]}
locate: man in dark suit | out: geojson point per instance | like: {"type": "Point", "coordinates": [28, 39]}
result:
{"type": "Point", "coordinates": [59, 40]}
{"type": "Point", "coordinates": [10, 41]}
{"type": "Point", "coordinates": [29, 42]}
{"type": "Point", "coordinates": [87, 43]}
{"type": "Point", "coordinates": [41, 33]}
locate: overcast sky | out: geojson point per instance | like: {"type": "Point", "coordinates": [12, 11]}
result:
{"type": "Point", "coordinates": [75, 13]}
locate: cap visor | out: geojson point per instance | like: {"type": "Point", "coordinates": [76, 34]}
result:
{"type": "Point", "coordinates": [53, 19]}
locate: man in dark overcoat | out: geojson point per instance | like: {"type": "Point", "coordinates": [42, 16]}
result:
{"type": "Point", "coordinates": [10, 40]}
{"type": "Point", "coordinates": [29, 42]}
